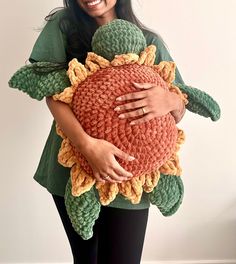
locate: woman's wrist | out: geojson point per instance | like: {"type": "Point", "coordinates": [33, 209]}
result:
{"type": "Point", "coordinates": [83, 144]}
{"type": "Point", "coordinates": [177, 106]}
{"type": "Point", "coordinates": [175, 102]}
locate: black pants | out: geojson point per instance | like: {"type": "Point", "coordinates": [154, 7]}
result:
{"type": "Point", "coordinates": [118, 236]}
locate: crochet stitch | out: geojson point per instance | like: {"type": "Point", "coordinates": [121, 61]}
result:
{"type": "Point", "coordinates": [82, 211]}
{"type": "Point", "coordinates": [168, 194]}
{"type": "Point", "coordinates": [118, 37]}
{"type": "Point", "coordinates": [40, 79]}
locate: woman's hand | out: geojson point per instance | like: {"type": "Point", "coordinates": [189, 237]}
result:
{"type": "Point", "coordinates": [152, 102]}
{"type": "Point", "coordinates": [100, 155]}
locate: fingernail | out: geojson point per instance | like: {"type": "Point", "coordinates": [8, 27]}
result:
{"type": "Point", "coordinates": [118, 98]}
{"type": "Point", "coordinates": [121, 116]}
{"type": "Point", "coordinates": [117, 108]}
{"type": "Point", "coordinates": [131, 158]}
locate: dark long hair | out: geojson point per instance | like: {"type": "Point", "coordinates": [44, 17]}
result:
{"type": "Point", "coordinates": [79, 27]}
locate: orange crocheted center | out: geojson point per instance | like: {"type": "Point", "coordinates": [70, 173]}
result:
{"type": "Point", "coordinates": [151, 143]}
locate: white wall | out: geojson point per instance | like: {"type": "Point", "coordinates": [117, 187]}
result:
{"type": "Point", "coordinates": [201, 37]}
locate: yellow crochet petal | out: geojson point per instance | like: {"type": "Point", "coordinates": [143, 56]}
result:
{"type": "Point", "coordinates": [151, 180]}
{"type": "Point", "coordinates": [60, 132]}
{"type": "Point", "coordinates": [66, 96]}
{"type": "Point", "coordinates": [107, 192]}
{"type": "Point", "coordinates": [123, 59]}
{"type": "Point", "coordinates": [176, 90]}
{"type": "Point", "coordinates": [180, 139]}
{"type": "Point", "coordinates": [132, 189]}
{"type": "Point", "coordinates": [66, 155]}
{"type": "Point", "coordinates": [76, 72]}
{"type": "Point", "coordinates": [95, 62]}
{"type": "Point", "coordinates": [80, 180]}
{"type": "Point", "coordinates": [147, 57]}
{"type": "Point", "coordinates": [172, 166]}
{"type": "Point", "coordinates": [166, 69]}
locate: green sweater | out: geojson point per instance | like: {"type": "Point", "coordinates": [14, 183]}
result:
{"type": "Point", "coordinates": [51, 47]}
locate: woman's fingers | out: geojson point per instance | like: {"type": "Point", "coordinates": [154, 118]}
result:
{"type": "Point", "coordinates": [140, 107]}
{"type": "Point", "coordinates": [103, 178]}
{"type": "Point", "coordinates": [141, 120]}
{"type": "Point", "coordinates": [144, 85]}
{"type": "Point", "coordinates": [121, 171]}
{"type": "Point", "coordinates": [98, 177]}
{"type": "Point", "coordinates": [132, 105]}
{"type": "Point", "coordinates": [104, 164]}
{"type": "Point", "coordinates": [117, 173]}
{"type": "Point", "coordinates": [115, 177]}
{"type": "Point", "coordinates": [137, 95]}
{"type": "Point", "coordinates": [138, 112]}
{"type": "Point", "coordinates": [118, 168]}
{"type": "Point", "coordinates": [121, 154]}
{"type": "Point", "coordinates": [132, 96]}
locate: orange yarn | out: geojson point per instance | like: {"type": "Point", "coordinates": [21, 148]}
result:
{"type": "Point", "coordinates": [151, 143]}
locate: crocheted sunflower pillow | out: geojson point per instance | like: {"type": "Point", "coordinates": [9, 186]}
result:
{"type": "Point", "coordinates": [95, 86]}
{"type": "Point", "coordinates": [119, 57]}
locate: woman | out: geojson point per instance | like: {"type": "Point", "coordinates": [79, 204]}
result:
{"type": "Point", "coordinates": [120, 230]}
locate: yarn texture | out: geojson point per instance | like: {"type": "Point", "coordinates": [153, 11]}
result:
{"type": "Point", "coordinates": [118, 37]}
{"type": "Point", "coordinates": [40, 79]}
{"type": "Point", "coordinates": [168, 194]}
{"type": "Point", "coordinates": [82, 211]}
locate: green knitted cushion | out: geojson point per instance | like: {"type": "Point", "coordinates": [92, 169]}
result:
{"type": "Point", "coordinates": [118, 37]}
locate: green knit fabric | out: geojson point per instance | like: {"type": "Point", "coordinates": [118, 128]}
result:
{"type": "Point", "coordinates": [40, 79]}
{"type": "Point", "coordinates": [168, 194]}
{"type": "Point", "coordinates": [118, 37]}
{"type": "Point", "coordinates": [83, 211]}
{"type": "Point", "coordinates": [200, 102]}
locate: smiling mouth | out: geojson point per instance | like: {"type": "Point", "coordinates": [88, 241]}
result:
{"type": "Point", "coordinates": [93, 3]}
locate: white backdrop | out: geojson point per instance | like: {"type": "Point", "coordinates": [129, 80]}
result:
{"type": "Point", "coordinates": [201, 37]}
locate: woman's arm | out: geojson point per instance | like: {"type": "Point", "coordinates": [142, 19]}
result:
{"type": "Point", "coordinates": [99, 153]}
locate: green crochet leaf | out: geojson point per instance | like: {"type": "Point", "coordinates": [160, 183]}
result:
{"type": "Point", "coordinates": [40, 79]}
{"type": "Point", "coordinates": [168, 194]}
{"type": "Point", "coordinates": [200, 102]}
{"type": "Point", "coordinates": [82, 211]}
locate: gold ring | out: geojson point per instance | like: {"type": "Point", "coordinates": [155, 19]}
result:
{"type": "Point", "coordinates": [143, 109]}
